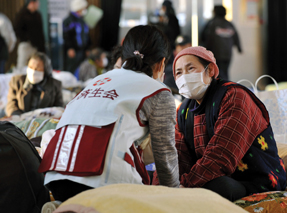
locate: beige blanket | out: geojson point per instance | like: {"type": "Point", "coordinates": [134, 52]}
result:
{"type": "Point", "coordinates": [143, 198]}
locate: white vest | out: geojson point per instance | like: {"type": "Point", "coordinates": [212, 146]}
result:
{"type": "Point", "coordinates": [114, 97]}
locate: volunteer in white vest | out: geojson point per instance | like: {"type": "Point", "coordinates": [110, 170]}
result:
{"type": "Point", "coordinates": [96, 140]}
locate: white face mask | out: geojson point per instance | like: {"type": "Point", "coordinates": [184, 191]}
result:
{"type": "Point", "coordinates": [84, 12]}
{"type": "Point", "coordinates": [192, 86]}
{"type": "Point", "coordinates": [161, 12]}
{"type": "Point", "coordinates": [34, 76]}
{"type": "Point", "coordinates": [105, 62]}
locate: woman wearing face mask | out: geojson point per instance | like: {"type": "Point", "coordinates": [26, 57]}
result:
{"type": "Point", "coordinates": [223, 135]}
{"type": "Point", "coordinates": [97, 139]}
{"type": "Point", "coordinates": [35, 90]}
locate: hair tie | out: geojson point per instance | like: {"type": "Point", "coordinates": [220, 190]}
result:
{"type": "Point", "coordinates": [136, 52]}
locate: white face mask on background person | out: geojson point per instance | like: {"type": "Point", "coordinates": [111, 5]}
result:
{"type": "Point", "coordinates": [105, 62]}
{"type": "Point", "coordinates": [34, 76]}
{"type": "Point", "coordinates": [161, 12]}
{"type": "Point", "coordinates": [192, 85]}
{"type": "Point", "coordinates": [84, 12]}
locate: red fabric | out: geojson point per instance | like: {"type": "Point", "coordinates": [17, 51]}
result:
{"type": "Point", "coordinates": [49, 153]}
{"type": "Point", "coordinates": [200, 52]}
{"type": "Point", "coordinates": [142, 102]}
{"type": "Point", "coordinates": [129, 159]}
{"type": "Point", "coordinates": [155, 180]}
{"type": "Point", "coordinates": [91, 152]}
{"type": "Point", "coordinates": [139, 164]}
{"type": "Point", "coordinates": [239, 122]}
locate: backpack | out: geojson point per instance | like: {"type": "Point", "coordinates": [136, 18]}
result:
{"type": "Point", "coordinates": [22, 187]}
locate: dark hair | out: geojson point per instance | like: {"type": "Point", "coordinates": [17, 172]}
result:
{"type": "Point", "coordinates": [182, 40]}
{"type": "Point", "coordinates": [219, 10]}
{"type": "Point", "coordinates": [96, 53]}
{"type": "Point", "coordinates": [46, 61]}
{"type": "Point", "coordinates": [28, 1]}
{"type": "Point", "coordinates": [116, 54]}
{"type": "Point", "coordinates": [169, 8]}
{"type": "Point", "coordinates": [150, 42]}
{"type": "Point", "coordinates": [202, 61]}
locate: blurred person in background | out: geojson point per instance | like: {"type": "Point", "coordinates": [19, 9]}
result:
{"type": "Point", "coordinates": [169, 22]}
{"type": "Point", "coordinates": [219, 36]}
{"type": "Point", "coordinates": [29, 30]}
{"type": "Point", "coordinates": [181, 42]}
{"type": "Point", "coordinates": [75, 35]}
{"type": "Point", "coordinates": [94, 65]}
{"type": "Point", "coordinates": [7, 40]}
{"type": "Point", "coordinates": [37, 89]}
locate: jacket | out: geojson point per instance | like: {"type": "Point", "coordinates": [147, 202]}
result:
{"type": "Point", "coordinates": [29, 28]}
{"type": "Point", "coordinates": [75, 33]}
{"type": "Point", "coordinates": [20, 94]}
{"type": "Point", "coordinates": [219, 36]}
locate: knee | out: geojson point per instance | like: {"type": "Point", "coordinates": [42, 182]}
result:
{"type": "Point", "coordinates": [227, 188]}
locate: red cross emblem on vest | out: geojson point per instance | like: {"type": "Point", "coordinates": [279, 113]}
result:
{"type": "Point", "coordinates": [102, 81]}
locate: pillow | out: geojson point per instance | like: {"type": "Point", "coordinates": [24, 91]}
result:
{"type": "Point", "coordinates": [266, 202]}
{"type": "Point", "coordinates": [146, 198]}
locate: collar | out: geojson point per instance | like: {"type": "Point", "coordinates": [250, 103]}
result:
{"type": "Point", "coordinates": [40, 86]}
{"type": "Point", "coordinates": [199, 108]}
{"type": "Point", "coordinates": [75, 14]}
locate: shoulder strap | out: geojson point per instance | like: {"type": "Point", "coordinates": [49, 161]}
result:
{"type": "Point", "coordinates": [212, 106]}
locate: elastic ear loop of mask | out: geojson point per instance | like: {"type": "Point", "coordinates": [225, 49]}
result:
{"type": "Point", "coordinates": [203, 73]}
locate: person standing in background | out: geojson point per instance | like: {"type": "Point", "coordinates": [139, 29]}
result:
{"type": "Point", "coordinates": [181, 42]}
{"type": "Point", "coordinates": [7, 40]}
{"type": "Point", "coordinates": [29, 30]}
{"type": "Point", "coordinates": [219, 36]}
{"type": "Point", "coordinates": [76, 35]}
{"type": "Point", "coordinates": [170, 22]}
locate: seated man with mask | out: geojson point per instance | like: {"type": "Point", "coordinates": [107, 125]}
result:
{"type": "Point", "coordinates": [37, 89]}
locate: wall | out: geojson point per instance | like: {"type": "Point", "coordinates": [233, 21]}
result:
{"type": "Point", "coordinates": [249, 64]}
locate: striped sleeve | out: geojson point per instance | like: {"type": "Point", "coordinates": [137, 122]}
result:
{"type": "Point", "coordinates": [159, 113]}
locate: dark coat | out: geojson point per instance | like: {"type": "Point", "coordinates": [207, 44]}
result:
{"type": "Point", "coordinates": [20, 95]}
{"type": "Point", "coordinates": [29, 28]}
{"type": "Point", "coordinates": [219, 36]}
{"type": "Point", "coordinates": [75, 33]}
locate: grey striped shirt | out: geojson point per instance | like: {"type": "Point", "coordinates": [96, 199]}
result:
{"type": "Point", "coordinates": [159, 113]}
